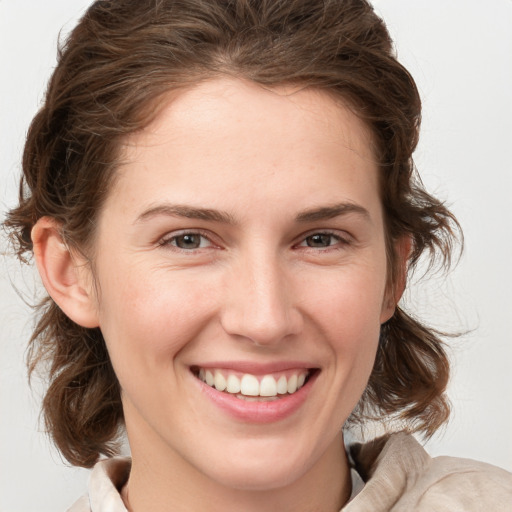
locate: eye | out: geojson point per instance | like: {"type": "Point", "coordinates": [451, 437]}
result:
{"type": "Point", "coordinates": [323, 240]}
{"type": "Point", "coordinates": [319, 240]}
{"type": "Point", "coordinates": [187, 241]}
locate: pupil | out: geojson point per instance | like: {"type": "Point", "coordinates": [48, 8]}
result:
{"type": "Point", "coordinates": [188, 241]}
{"type": "Point", "coordinates": [319, 240]}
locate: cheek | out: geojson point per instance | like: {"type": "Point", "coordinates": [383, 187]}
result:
{"type": "Point", "coordinates": [147, 319]}
{"type": "Point", "coordinates": [354, 332]}
{"type": "Point", "coordinates": [349, 300]}
{"type": "Point", "coordinates": [348, 312]}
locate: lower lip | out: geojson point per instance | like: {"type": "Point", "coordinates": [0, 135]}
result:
{"type": "Point", "coordinates": [258, 412]}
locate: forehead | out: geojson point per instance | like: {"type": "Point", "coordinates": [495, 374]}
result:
{"type": "Point", "coordinates": [217, 108]}
{"type": "Point", "coordinates": [234, 133]}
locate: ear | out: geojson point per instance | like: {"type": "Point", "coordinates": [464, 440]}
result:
{"type": "Point", "coordinates": [397, 287]}
{"type": "Point", "coordinates": [66, 276]}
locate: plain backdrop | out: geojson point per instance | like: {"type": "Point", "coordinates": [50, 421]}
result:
{"type": "Point", "coordinates": [460, 53]}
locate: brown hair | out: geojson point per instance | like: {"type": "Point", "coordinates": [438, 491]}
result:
{"type": "Point", "coordinates": [113, 68]}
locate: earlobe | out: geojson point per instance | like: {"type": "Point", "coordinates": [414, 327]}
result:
{"type": "Point", "coordinates": [397, 286]}
{"type": "Point", "coordinates": [66, 279]}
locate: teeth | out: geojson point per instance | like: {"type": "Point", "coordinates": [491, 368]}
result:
{"type": "Point", "coordinates": [292, 384]}
{"type": "Point", "coordinates": [233, 384]}
{"type": "Point", "coordinates": [268, 386]}
{"type": "Point", "coordinates": [250, 388]}
{"type": "Point", "coordinates": [209, 378]}
{"type": "Point", "coordinates": [220, 381]}
{"type": "Point", "coordinates": [257, 398]}
{"type": "Point", "coordinates": [250, 385]}
{"type": "Point", "coordinates": [282, 385]}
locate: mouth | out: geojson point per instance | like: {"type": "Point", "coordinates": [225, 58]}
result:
{"type": "Point", "coordinates": [254, 388]}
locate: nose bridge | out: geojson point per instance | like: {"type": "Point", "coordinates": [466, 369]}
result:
{"type": "Point", "coordinates": [260, 306]}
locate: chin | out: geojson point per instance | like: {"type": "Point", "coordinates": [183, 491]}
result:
{"type": "Point", "coordinates": [259, 466]}
{"type": "Point", "coordinates": [260, 476]}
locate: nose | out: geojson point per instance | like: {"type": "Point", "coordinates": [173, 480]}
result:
{"type": "Point", "coordinates": [260, 303]}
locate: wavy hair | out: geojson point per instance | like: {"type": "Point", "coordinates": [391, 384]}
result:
{"type": "Point", "coordinates": [112, 70]}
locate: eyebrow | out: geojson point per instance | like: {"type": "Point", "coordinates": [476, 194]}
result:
{"type": "Point", "coordinates": [189, 212]}
{"type": "Point", "coordinates": [208, 214]}
{"type": "Point", "coordinates": [331, 211]}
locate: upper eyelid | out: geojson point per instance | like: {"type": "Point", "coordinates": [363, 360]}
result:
{"type": "Point", "coordinates": [341, 234]}
{"type": "Point", "coordinates": [182, 232]}
{"type": "Point", "coordinates": [208, 234]}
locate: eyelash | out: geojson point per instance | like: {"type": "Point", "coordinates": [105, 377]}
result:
{"type": "Point", "coordinates": [339, 241]}
{"type": "Point", "coordinates": [172, 241]}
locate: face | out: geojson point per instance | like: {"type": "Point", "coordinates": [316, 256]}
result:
{"type": "Point", "coordinates": [241, 271]}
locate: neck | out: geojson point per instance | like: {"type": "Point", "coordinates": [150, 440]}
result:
{"type": "Point", "coordinates": [161, 480]}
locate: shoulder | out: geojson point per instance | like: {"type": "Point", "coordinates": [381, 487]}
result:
{"type": "Point", "coordinates": [106, 480]}
{"type": "Point", "coordinates": [400, 476]}
{"type": "Point", "coordinates": [81, 505]}
{"type": "Point", "coordinates": [462, 484]}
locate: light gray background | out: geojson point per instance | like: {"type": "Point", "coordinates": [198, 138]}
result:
{"type": "Point", "coordinates": [460, 53]}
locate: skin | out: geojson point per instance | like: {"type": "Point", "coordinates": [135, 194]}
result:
{"type": "Point", "coordinates": [259, 287]}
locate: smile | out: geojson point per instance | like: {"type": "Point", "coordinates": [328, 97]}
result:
{"type": "Point", "coordinates": [251, 387]}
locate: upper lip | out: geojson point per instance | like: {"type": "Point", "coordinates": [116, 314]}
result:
{"type": "Point", "coordinates": [255, 368]}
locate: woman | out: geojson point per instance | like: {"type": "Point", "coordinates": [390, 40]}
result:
{"type": "Point", "coordinates": [222, 206]}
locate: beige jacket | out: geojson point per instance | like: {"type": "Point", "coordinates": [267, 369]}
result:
{"type": "Point", "coordinates": [397, 475]}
